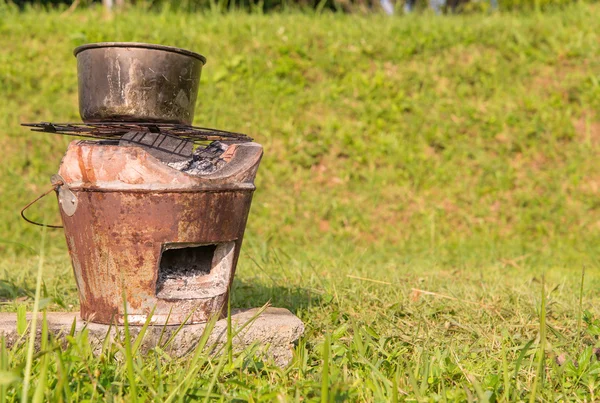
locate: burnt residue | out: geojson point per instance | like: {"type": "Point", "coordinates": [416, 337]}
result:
{"type": "Point", "coordinates": [205, 160]}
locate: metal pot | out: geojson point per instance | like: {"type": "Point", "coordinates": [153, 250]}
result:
{"type": "Point", "coordinates": [127, 81]}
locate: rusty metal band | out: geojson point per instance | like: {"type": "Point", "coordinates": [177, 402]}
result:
{"type": "Point", "coordinates": [213, 189]}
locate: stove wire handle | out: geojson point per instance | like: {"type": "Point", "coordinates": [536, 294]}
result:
{"type": "Point", "coordinates": [55, 186]}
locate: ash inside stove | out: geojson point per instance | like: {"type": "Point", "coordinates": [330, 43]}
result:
{"type": "Point", "coordinates": [180, 266]}
{"type": "Point", "coordinates": [188, 271]}
{"type": "Point", "coordinates": [205, 160]}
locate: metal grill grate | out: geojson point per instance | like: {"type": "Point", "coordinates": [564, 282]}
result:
{"type": "Point", "coordinates": [115, 130]}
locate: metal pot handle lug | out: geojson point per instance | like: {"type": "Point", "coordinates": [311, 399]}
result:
{"type": "Point", "coordinates": [66, 199]}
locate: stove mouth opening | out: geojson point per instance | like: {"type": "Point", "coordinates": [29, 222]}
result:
{"type": "Point", "coordinates": [191, 271]}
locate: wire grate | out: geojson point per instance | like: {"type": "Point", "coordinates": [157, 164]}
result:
{"type": "Point", "coordinates": [115, 130]}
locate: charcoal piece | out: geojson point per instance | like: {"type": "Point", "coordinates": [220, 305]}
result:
{"type": "Point", "coordinates": [213, 151]}
{"type": "Point", "coordinates": [205, 160]}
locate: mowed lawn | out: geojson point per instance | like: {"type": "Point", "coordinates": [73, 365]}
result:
{"type": "Point", "coordinates": [427, 203]}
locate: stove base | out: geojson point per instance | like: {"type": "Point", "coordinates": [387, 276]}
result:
{"type": "Point", "coordinates": [275, 331]}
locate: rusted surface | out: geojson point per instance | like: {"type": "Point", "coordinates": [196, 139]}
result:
{"type": "Point", "coordinates": [130, 208]}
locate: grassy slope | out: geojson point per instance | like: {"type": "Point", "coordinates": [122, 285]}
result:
{"type": "Point", "coordinates": [454, 155]}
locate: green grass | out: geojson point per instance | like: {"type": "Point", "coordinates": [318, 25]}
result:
{"type": "Point", "coordinates": [421, 177]}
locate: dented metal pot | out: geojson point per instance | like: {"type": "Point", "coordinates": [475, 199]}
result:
{"type": "Point", "coordinates": [128, 81]}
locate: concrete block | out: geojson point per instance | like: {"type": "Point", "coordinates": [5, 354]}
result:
{"type": "Point", "coordinates": [275, 331]}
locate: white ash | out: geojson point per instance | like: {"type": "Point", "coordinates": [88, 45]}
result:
{"type": "Point", "coordinates": [205, 160]}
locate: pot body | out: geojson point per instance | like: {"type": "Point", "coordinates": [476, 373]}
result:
{"type": "Point", "coordinates": [137, 82]}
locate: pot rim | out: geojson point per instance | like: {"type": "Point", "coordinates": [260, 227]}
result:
{"type": "Point", "coordinates": [140, 45]}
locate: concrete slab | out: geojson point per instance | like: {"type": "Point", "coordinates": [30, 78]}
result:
{"type": "Point", "coordinates": [274, 331]}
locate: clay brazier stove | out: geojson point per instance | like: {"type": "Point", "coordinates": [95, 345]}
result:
{"type": "Point", "coordinates": [153, 216]}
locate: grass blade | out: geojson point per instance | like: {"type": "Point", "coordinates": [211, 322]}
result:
{"type": "Point", "coordinates": [229, 332]}
{"type": "Point", "coordinates": [395, 385]}
{"type": "Point", "coordinates": [412, 380]}
{"type": "Point", "coordinates": [524, 351]}
{"type": "Point", "coordinates": [542, 347]}
{"type": "Point", "coordinates": [160, 392]}
{"type": "Point", "coordinates": [164, 328]}
{"type": "Point", "coordinates": [245, 325]}
{"type": "Point", "coordinates": [41, 387]}
{"type": "Point", "coordinates": [33, 330]}
{"type": "Point", "coordinates": [140, 336]}
{"type": "Point", "coordinates": [3, 367]}
{"type": "Point", "coordinates": [505, 373]}
{"type": "Point", "coordinates": [129, 352]}
{"type": "Point", "coordinates": [194, 365]}
{"type": "Point", "coordinates": [325, 372]}
{"type": "Point", "coordinates": [6, 378]}
{"type": "Point", "coordinates": [580, 307]}
{"type": "Point", "coordinates": [174, 334]}
{"type": "Point", "coordinates": [213, 380]}
{"type": "Point", "coordinates": [21, 319]}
